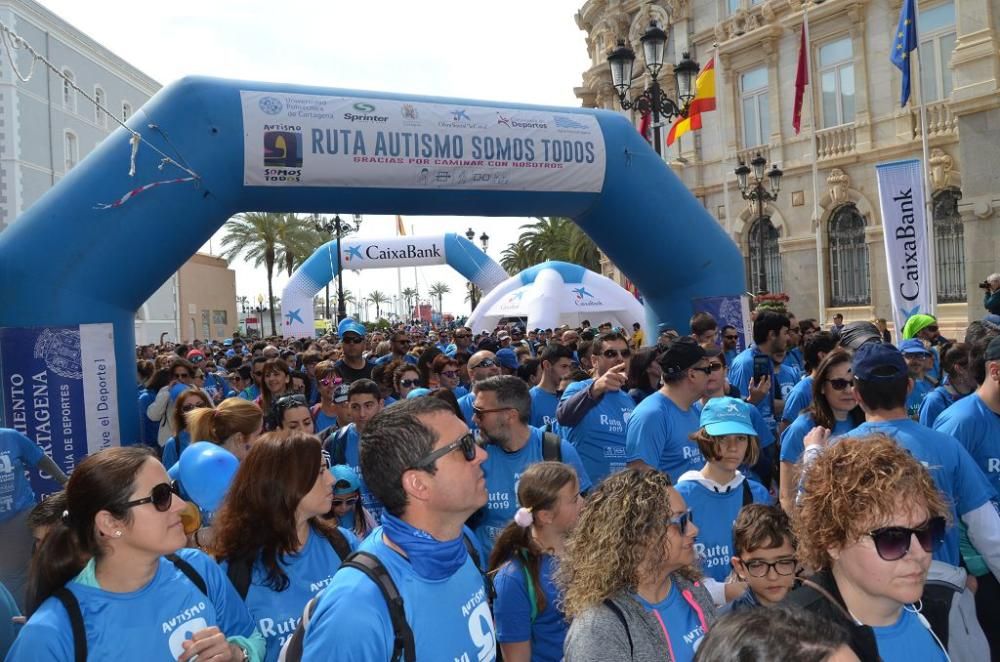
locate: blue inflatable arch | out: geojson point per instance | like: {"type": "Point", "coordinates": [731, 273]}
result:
{"type": "Point", "coordinates": [271, 147]}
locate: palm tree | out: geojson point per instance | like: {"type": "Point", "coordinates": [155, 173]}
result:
{"type": "Point", "coordinates": [552, 238]}
{"type": "Point", "coordinates": [409, 295]}
{"type": "Point", "coordinates": [255, 235]}
{"type": "Point", "coordinates": [439, 289]}
{"type": "Point", "coordinates": [515, 258]}
{"type": "Point", "coordinates": [297, 241]}
{"type": "Point", "coordinates": [473, 295]}
{"type": "Point", "coordinates": [378, 298]}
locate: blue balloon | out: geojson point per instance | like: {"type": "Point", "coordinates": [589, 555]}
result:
{"type": "Point", "coordinates": [417, 393]}
{"type": "Point", "coordinates": [176, 390]}
{"type": "Point", "coordinates": [206, 472]}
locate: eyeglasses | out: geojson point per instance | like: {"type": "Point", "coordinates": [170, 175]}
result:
{"type": "Point", "coordinates": [731, 337]}
{"type": "Point", "coordinates": [682, 521]}
{"type": "Point", "coordinates": [476, 411]}
{"type": "Point", "coordinates": [707, 369]}
{"type": "Point", "coordinates": [331, 381]}
{"type": "Point", "coordinates": [352, 340]}
{"type": "Point", "coordinates": [485, 363]}
{"type": "Point", "coordinates": [461, 336]}
{"type": "Point", "coordinates": [291, 402]}
{"type": "Point", "coordinates": [615, 353]}
{"type": "Point", "coordinates": [345, 502]}
{"type": "Point", "coordinates": [409, 383]}
{"type": "Point", "coordinates": [893, 542]}
{"type": "Point", "coordinates": [182, 375]}
{"type": "Point", "coordinates": [450, 374]}
{"type": "Point", "coordinates": [760, 567]}
{"type": "Point", "coordinates": [191, 406]}
{"type": "Point", "coordinates": [840, 384]}
{"type": "Point", "coordinates": [160, 496]}
{"type": "Point", "coordinates": [714, 367]}
{"type": "Point", "coordinates": [466, 442]}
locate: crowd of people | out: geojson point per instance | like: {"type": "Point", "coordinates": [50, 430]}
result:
{"type": "Point", "coordinates": [591, 493]}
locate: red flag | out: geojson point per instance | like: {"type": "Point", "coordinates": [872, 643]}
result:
{"type": "Point", "coordinates": [801, 80]}
{"type": "Point", "coordinates": [644, 126]}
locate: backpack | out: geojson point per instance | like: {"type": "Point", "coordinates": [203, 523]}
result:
{"type": "Point", "coordinates": [551, 447]}
{"type": "Point", "coordinates": [335, 444]}
{"type": "Point", "coordinates": [240, 569]}
{"type": "Point", "coordinates": [404, 647]}
{"type": "Point", "coordinates": [72, 605]}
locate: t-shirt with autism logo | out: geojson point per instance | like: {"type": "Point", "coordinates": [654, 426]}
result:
{"type": "Point", "coordinates": [450, 618]}
{"type": "Point", "coordinates": [798, 399]}
{"type": "Point", "coordinates": [977, 427]}
{"type": "Point", "coordinates": [277, 613]}
{"type": "Point", "coordinates": [658, 433]}
{"type": "Point", "coordinates": [600, 437]}
{"type": "Point", "coordinates": [149, 624]}
{"type": "Point", "coordinates": [543, 407]}
{"type": "Point", "coordinates": [17, 454]}
{"type": "Point", "coordinates": [681, 623]}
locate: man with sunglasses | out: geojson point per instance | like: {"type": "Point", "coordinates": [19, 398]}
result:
{"type": "Point", "coordinates": [422, 463]}
{"type": "Point", "coordinates": [593, 413]}
{"type": "Point", "coordinates": [482, 365]}
{"type": "Point", "coordinates": [400, 345]}
{"type": "Point", "coordinates": [658, 433]}
{"type": "Point", "coordinates": [463, 341]}
{"type": "Point", "coordinates": [353, 365]}
{"type": "Point", "coordinates": [730, 343]}
{"type": "Point", "coordinates": [770, 336]}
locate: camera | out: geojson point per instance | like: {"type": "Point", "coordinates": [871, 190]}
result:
{"type": "Point", "coordinates": [985, 285]}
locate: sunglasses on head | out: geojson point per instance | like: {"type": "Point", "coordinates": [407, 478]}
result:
{"type": "Point", "coordinates": [616, 353]}
{"type": "Point", "coordinates": [840, 384]}
{"type": "Point", "coordinates": [160, 496]}
{"type": "Point", "coordinates": [409, 383]}
{"type": "Point", "coordinates": [291, 401]}
{"type": "Point", "coordinates": [682, 521]}
{"type": "Point", "coordinates": [345, 502]}
{"type": "Point", "coordinates": [467, 443]}
{"type": "Point", "coordinates": [893, 542]}
{"type": "Point", "coordinates": [485, 363]}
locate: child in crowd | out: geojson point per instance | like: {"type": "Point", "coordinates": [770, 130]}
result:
{"type": "Point", "coordinates": [347, 507]}
{"type": "Point", "coordinates": [763, 556]}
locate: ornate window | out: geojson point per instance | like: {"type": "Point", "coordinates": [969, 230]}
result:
{"type": "Point", "coordinates": [836, 76]}
{"type": "Point", "coordinates": [771, 257]}
{"type": "Point", "coordinates": [937, 41]}
{"type": "Point", "coordinates": [754, 107]}
{"type": "Point", "coordinates": [949, 247]}
{"type": "Point", "coordinates": [849, 274]}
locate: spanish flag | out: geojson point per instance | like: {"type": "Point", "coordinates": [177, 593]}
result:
{"type": "Point", "coordinates": [703, 101]}
{"type": "Point", "coordinates": [400, 230]}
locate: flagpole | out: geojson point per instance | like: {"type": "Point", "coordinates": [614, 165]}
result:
{"type": "Point", "coordinates": [820, 266]}
{"type": "Point", "coordinates": [928, 202]}
{"type": "Point", "coordinates": [399, 271]}
{"type": "Point", "coordinates": [724, 147]}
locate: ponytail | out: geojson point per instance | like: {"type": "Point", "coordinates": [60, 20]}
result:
{"type": "Point", "coordinates": [233, 415]}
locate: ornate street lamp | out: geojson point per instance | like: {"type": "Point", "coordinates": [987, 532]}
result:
{"type": "Point", "coordinates": [337, 227]}
{"type": "Point", "coordinates": [757, 193]}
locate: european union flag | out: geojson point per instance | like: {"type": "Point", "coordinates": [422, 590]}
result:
{"type": "Point", "coordinates": [905, 42]}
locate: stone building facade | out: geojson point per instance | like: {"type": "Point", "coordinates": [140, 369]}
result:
{"type": "Point", "coordinates": [823, 243]}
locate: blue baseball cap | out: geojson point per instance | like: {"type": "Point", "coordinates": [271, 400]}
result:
{"type": "Point", "coordinates": [418, 393]}
{"type": "Point", "coordinates": [345, 479]}
{"type": "Point", "coordinates": [722, 416]}
{"type": "Point", "coordinates": [878, 361]}
{"type": "Point", "coordinates": [349, 325]}
{"type": "Point", "coordinates": [228, 342]}
{"type": "Point", "coordinates": [230, 353]}
{"type": "Point", "coordinates": [913, 346]}
{"type": "Point", "coordinates": [507, 358]}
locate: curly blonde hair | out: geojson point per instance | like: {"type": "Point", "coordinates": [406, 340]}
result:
{"type": "Point", "coordinates": [625, 518]}
{"type": "Point", "coordinates": [857, 485]}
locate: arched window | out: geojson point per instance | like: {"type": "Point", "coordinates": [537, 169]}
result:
{"type": "Point", "coordinates": [71, 150]}
{"type": "Point", "coordinates": [849, 274]}
{"type": "Point", "coordinates": [126, 111]}
{"type": "Point", "coordinates": [69, 92]}
{"type": "Point", "coordinates": [768, 251]}
{"type": "Point", "coordinates": [949, 247]}
{"type": "Point", "coordinates": [99, 117]}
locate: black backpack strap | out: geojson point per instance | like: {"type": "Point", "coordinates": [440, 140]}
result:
{"type": "Point", "coordinates": [189, 572]}
{"type": "Point", "coordinates": [747, 494]}
{"type": "Point", "coordinates": [403, 643]}
{"type": "Point", "coordinates": [293, 649]}
{"type": "Point", "coordinates": [470, 547]}
{"type": "Point", "coordinates": [338, 542]}
{"type": "Point", "coordinates": [551, 447]}
{"type": "Point", "coordinates": [72, 607]}
{"type": "Point", "coordinates": [336, 446]}
{"type": "Point", "coordinates": [616, 610]}
{"type": "Point", "coordinates": [238, 571]}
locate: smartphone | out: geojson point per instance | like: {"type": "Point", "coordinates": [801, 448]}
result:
{"type": "Point", "coordinates": [761, 367]}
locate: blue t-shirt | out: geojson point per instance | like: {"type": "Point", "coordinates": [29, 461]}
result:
{"type": "Point", "coordinates": [740, 376]}
{"type": "Point", "coordinates": [715, 514]}
{"type": "Point", "coordinates": [148, 430]}
{"type": "Point", "coordinates": [600, 437]}
{"type": "Point", "coordinates": [460, 391]}
{"type": "Point", "coordinates": [388, 358]}
{"type": "Point", "coordinates": [731, 355]}
{"type": "Point", "coordinates": [787, 377]}
{"type": "Point", "coordinates": [977, 428]}
{"type": "Point", "coordinates": [503, 472]}
{"type": "Point", "coordinates": [277, 614]}
{"type": "Point", "coordinates": [657, 433]}
{"type": "Point", "coordinates": [465, 404]}
{"type": "Point", "coordinates": [352, 455]}
{"type": "Point", "coordinates": [950, 465]}
{"type": "Point", "coordinates": [794, 359]}
{"type": "Point", "coordinates": [512, 610]}
{"type": "Point", "coordinates": [916, 397]}
{"type": "Point", "coordinates": [251, 392]}
{"type": "Point", "coordinates": [149, 624]}
{"type": "Point", "coordinates": [798, 399]}
{"type": "Point", "coordinates": [8, 630]}
{"type": "Point", "coordinates": [907, 640]}
{"type": "Point", "coordinates": [683, 627]}
{"type": "Point", "coordinates": [170, 449]}
{"type": "Point", "coordinates": [321, 421]}
{"type": "Point", "coordinates": [17, 455]}
{"type": "Point", "coordinates": [450, 618]}
{"type": "Point", "coordinates": [793, 438]}
{"type": "Point", "coordinates": [543, 407]}
{"type": "Point", "coordinates": [934, 403]}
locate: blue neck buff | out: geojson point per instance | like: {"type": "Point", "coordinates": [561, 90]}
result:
{"type": "Point", "coordinates": [430, 558]}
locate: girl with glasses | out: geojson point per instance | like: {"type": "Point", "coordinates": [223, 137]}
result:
{"type": "Point", "coordinates": [530, 625]}
{"type": "Point", "coordinates": [326, 413]}
{"type": "Point", "coordinates": [347, 507]}
{"type": "Point", "coordinates": [116, 559]}
{"type": "Point", "coordinates": [628, 585]}
{"type": "Point", "coordinates": [270, 535]}
{"type": "Point", "coordinates": [446, 375]}
{"type": "Point", "coordinates": [187, 402]}
{"type": "Point", "coordinates": [406, 378]}
{"type": "Point", "coordinates": [869, 519]}
{"type": "Point", "coordinates": [162, 408]}
{"type": "Point", "coordinates": [834, 407]}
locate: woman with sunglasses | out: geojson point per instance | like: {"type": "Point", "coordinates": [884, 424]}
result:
{"type": "Point", "coordinates": [347, 507]}
{"type": "Point", "coordinates": [834, 407]}
{"type": "Point", "coordinates": [406, 378]}
{"type": "Point", "coordinates": [117, 559]}
{"type": "Point", "coordinates": [445, 371]}
{"type": "Point", "coordinates": [270, 534]}
{"type": "Point", "coordinates": [186, 403]}
{"type": "Point", "coordinates": [162, 408]}
{"type": "Point", "coordinates": [869, 519]}
{"type": "Point", "coordinates": [628, 588]}
{"type": "Point", "coordinates": [277, 381]}
{"type": "Point", "coordinates": [326, 413]}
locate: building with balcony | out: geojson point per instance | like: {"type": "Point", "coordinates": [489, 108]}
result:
{"type": "Point", "coordinates": [823, 242]}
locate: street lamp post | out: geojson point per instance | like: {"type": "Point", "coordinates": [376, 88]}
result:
{"type": "Point", "coordinates": [756, 193]}
{"type": "Point", "coordinates": [652, 100]}
{"type": "Point", "coordinates": [336, 227]}
{"type": "Point", "coordinates": [484, 241]}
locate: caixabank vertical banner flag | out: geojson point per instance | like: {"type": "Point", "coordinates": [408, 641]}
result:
{"type": "Point", "coordinates": [733, 311]}
{"type": "Point", "coordinates": [59, 390]}
{"type": "Point", "coordinates": [904, 222]}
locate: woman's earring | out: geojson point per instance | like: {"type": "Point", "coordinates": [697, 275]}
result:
{"type": "Point", "coordinates": [118, 534]}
